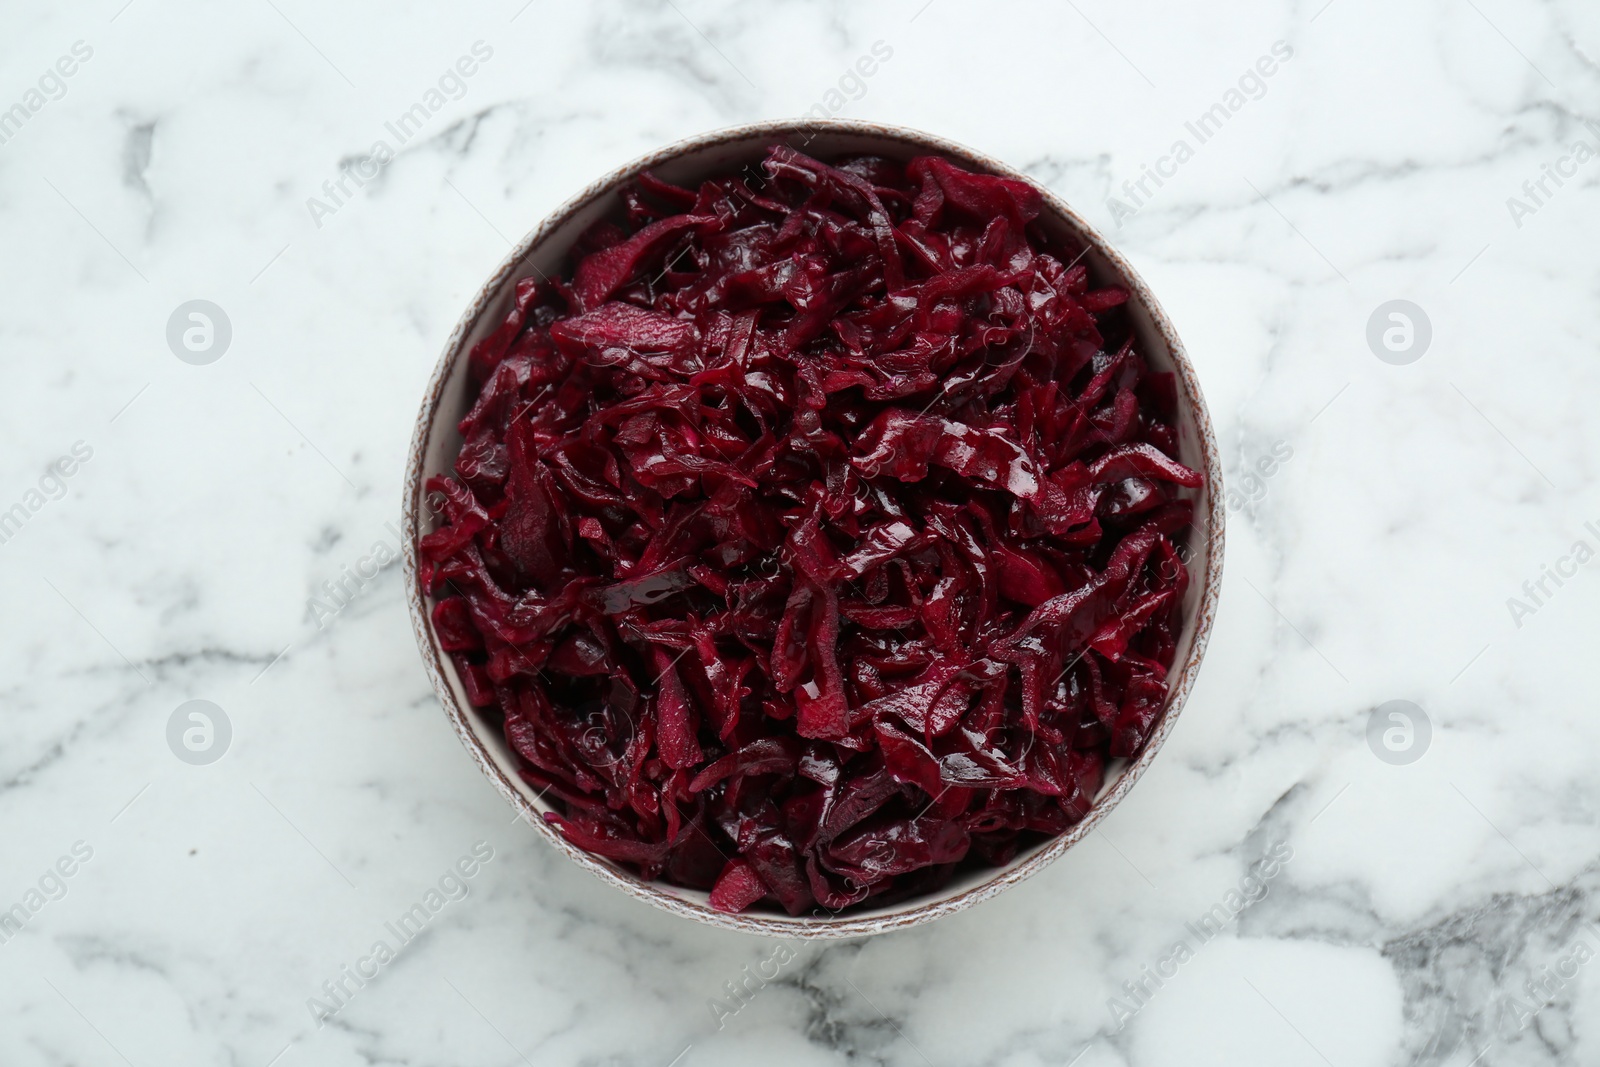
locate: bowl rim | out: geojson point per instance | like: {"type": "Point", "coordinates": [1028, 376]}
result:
{"type": "Point", "coordinates": [907, 913]}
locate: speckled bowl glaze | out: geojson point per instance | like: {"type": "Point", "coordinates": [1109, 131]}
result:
{"type": "Point", "coordinates": [436, 441]}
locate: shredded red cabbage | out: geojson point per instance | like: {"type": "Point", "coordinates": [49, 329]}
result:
{"type": "Point", "coordinates": [817, 535]}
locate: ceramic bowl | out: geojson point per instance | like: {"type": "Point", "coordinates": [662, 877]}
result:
{"type": "Point", "coordinates": [435, 443]}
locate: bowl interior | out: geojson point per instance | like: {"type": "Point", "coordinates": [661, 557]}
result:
{"type": "Point", "coordinates": [450, 396]}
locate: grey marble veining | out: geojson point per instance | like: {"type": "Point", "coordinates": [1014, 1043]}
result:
{"type": "Point", "coordinates": [1416, 531]}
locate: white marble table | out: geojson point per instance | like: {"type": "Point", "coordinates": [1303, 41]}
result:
{"type": "Point", "coordinates": [1437, 911]}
